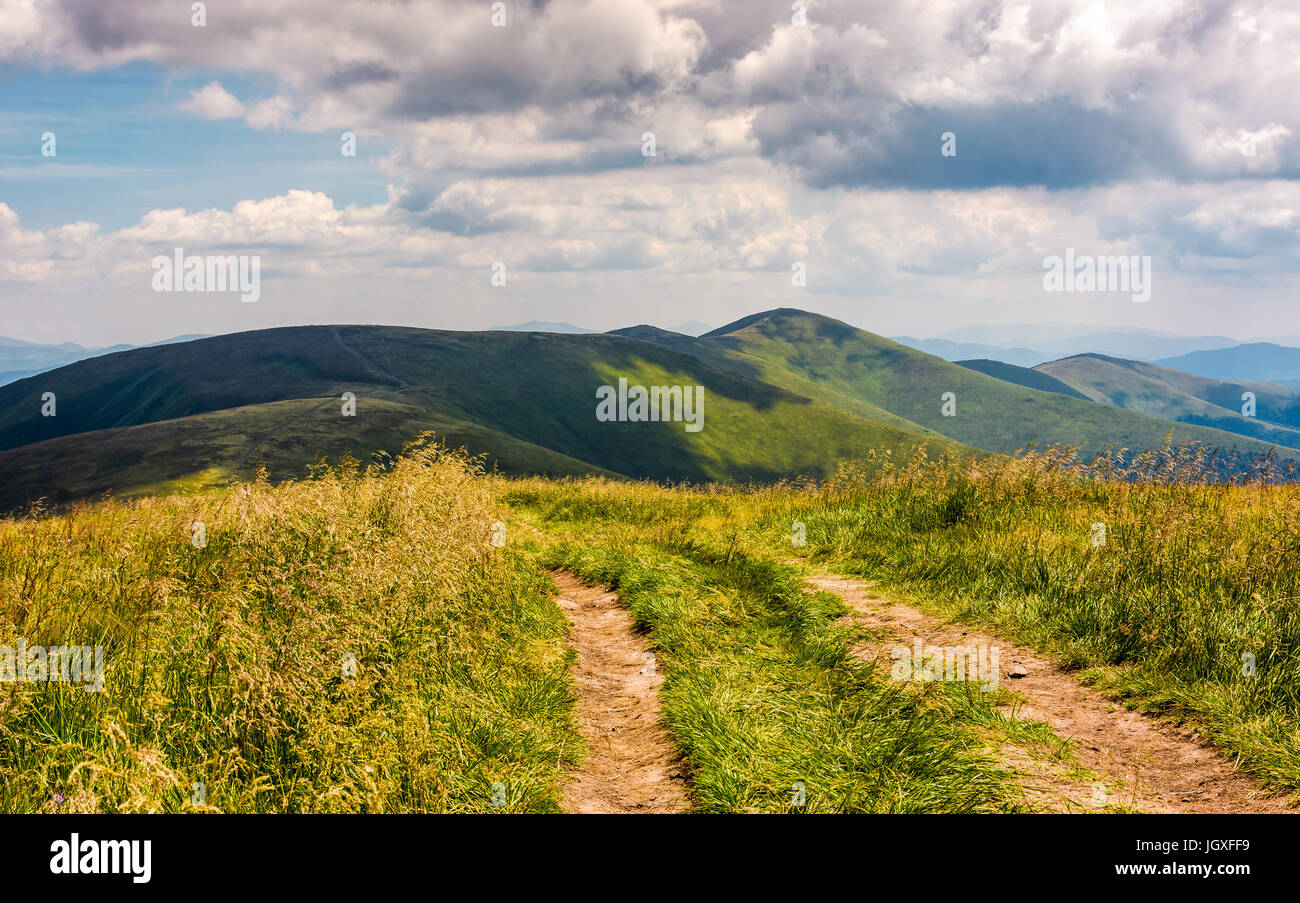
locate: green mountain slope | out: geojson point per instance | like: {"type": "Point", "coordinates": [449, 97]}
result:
{"type": "Point", "coordinates": [203, 410]}
{"type": "Point", "coordinates": [1184, 397]}
{"type": "Point", "coordinates": [718, 355]}
{"type": "Point", "coordinates": [788, 347]}
{"type": "Point", "coordinates": [1029, 377]}
{"type": "Point", "coordinates": [212, 449]}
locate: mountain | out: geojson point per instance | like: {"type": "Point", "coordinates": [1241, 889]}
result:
{"type": "Point", "coordinates": [860, 371]}
{"type": "Point", "coordinates": [786, 393]}
{"type": "Point", "coordinates": [1032, 344]}
{"type": "Point", "coordinates": [20, 359]}
{"type": "Point", "coordinates": [958, 351]}
{"type": "Point", "coordinates": [1022, 376]}
{"type": "Point", "coordinates": [200, 412]}
{"type": "Point", "coordinates": [692, 328]}
{"type": "Point", "coordinates": [1137, 345]}
{"type": "Point", "coordinates": [1263, 361]}
{"type": "Point", "coordinates": [718, 354]}
{"type": "Point", "coordinates": [541, 326]}
{"type": "Point", "coordinates": [1056, 340]}
{"type": "Point", "coordinates": [1184, 397]}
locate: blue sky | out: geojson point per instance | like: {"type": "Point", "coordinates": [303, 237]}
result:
{"type": "Point", "coordinates": [123, 151]}
{"type": "Point", "coordinates": [1162, 130]}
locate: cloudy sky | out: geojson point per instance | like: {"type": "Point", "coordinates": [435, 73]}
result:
{"type": "Point", "coordinates": [783, 133]}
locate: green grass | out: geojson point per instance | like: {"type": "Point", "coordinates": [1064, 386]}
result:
{"type": "Point", "coordinates": [761, 693]}
{"type": "Point", "coordinates": [226, 664]}
{"type": "Point", "coordinates": [1187, 611]}
{"type": "Point", "coordinates": [1195, 584]}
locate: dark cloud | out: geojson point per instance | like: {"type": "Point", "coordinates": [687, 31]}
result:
{"type": "Point", "coordinates": [360, 74]}
{"type": "Point", "coordinates": [1050, 95]}
{"type": "Point", "coordinates": [1056, 145]}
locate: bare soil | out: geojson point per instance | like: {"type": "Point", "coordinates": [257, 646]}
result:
{"type": "Point", "coordinates": [632, 765]}
{"type": "Point", "coordinates": [1147, 764]}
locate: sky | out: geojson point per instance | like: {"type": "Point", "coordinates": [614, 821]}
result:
{"type": "Point", "coordinates": [917, 162]}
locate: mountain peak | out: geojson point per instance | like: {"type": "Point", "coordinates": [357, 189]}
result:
{"type": "Point", "coordinates": [645, 331]}
{"type": "Point", "coordinates": [776, 315]}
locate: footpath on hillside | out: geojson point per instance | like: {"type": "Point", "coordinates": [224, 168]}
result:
{"type": "Point", "coordinates": [632, 765]}
{"type": "Point", "coordinates": [1147, 764]}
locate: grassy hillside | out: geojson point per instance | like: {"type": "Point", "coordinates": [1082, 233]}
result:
{"type": "Point", "coordinates": [1029, 377]}
{"type": "Point", "coordinates": [355, 642]}
{"type": "Point", "coordinates": [208, 450]}
{"type": "Point", "coordinates": [791, 380]}
{"type": "Point", "coordinates": [790, 347]}
{"type": "Point", "coordinates": [786, 393]}
{"type": "Point", "coordinates": [1183, 607]}
{"type": "Point", "coordinates": [204, 410]}
{"type": "Point", "coordinates": [762, 692]}
{"type": "Point", "coordinates": [349, 644]}
{"type": "Point", "coordinates": [1184, 397]}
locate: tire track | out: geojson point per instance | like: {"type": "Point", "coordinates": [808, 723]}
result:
{"type": "Point", "coordinates": [632, 765]}
{"type": "Point", "coordinates": [1151, 766]}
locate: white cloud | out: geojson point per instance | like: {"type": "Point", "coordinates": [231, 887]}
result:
{"type": "Point", "coordinates": [212, 102]}
{"type": "Point", "coordinates": [775, 143]}
{"type": "Point", "coordinates": [272, 113]}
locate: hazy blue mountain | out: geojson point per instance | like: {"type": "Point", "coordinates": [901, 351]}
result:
{"type": "Point", "coordinates": [1015, 343]}
{"type": "Point", "coordinates": [1133, 345]}
{"type": "Point", "coordinates": [691, 327]}
{"type": "Point", "coordinates": [20, 359]}
{"type": "Point", "coordinates": [543, 326]}
{"type": "Point", "coordinates": [1254, 360]}
{"type": "Point", "coordinates": [962, 351]}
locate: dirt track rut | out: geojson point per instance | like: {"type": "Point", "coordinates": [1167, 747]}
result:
{"type": "Point", "coordinates": [1147, 764]}
{"type": "Point", "coordinates": [633, 765]}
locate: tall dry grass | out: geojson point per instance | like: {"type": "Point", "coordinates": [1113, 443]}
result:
{"type": "Point", "coordinates": [1187, 603]}
{"type": "Point", "coordinates": [228, 664]}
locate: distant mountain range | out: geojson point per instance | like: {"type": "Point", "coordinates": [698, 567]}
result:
{"type": "Point", "coordinates": [1184, 397]}
{"type": "Point", "coordinates": [787, 393]}
{"type": "Point", "coordinates": [960, 351]}
{"type": "Point", "coordinates": [1029, 345]}
{"type": "Point", "coordinates": [19, 359]}
{"type": "Point", "coordinates": [692, 328]}
{"type": "Point", "coordinates": [545, 326]}
{"type": "Point", "coordinates": [1251, 361]}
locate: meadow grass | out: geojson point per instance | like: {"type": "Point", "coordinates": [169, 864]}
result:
{"type": "Point", "coordinates": [228, 661]}
{"type": "Point", "coordinates": [761, 692]}
{"type": "Point", "coordinates": [230, 664]}
{"type": "Point", "coordinates": [1148, 575]}
{"type": "Point", "coordinates": [1186, 604]}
